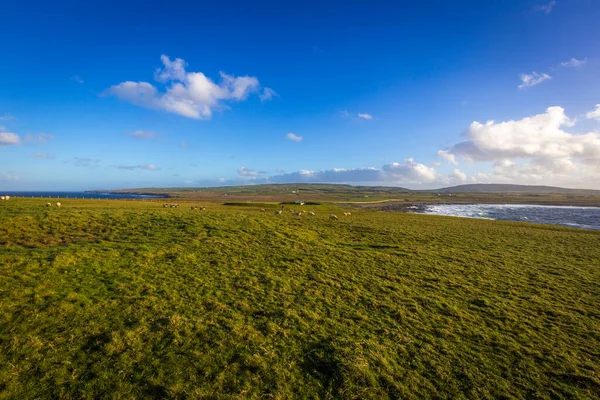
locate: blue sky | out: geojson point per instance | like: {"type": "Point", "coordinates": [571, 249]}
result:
{"type": "Point", "coordinates": [101, 95]}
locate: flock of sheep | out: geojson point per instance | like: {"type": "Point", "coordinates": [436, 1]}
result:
{"type": "Point", "coordinates": [300, 213]}
{"type": "Point", "coordinates": [4, 197]}
{"type": "Point", "coordinates": [332, 217]}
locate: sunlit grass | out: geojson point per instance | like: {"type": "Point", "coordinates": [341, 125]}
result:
{"type": "Point", "coordinates": [126, 299]}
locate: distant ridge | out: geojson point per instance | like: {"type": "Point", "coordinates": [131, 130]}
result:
{"type": "Point", "coordinates": [505, 188]}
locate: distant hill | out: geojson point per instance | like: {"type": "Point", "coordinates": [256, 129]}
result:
{"type": "Point", "coordinates": [268, 188]}
{"type": "Point", "coordinates": [504, 188]}
{"type": "Point", "coordinates": [350, 190]}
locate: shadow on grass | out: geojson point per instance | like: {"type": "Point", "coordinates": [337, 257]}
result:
{"type": "Point", "coordinates": [321, 362]}
{"type": "Point", "coordinates": [95, 343]}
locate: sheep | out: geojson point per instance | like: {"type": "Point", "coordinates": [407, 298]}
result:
{"type": "Point", "coordinates": [194, 207]}
{"type": "Point", "coordinates": [311, 213]}
{"type": "Point", "coordinates": [57, 204]}
{"type": "Point", "coordinates": [347, 213]}
{"type": "Point", "coordinates": [48, 204]}
{"type": "Point", "coordinates": [203, 208]}
{"type": "Point", "coordinates": [6, 197]}
{"type": "Point", "coordinates": [277, 212]}
{"type": "Point", "coordinates": [299, 213]}
{"type": "Point", "coordinates": [333, 217]}
{"type": "Point", "coordinates": [262, 210]}
{"type": "Point", "coordinates": [165, 205]}
{"type": "Point", "coordinates": [2, 198]}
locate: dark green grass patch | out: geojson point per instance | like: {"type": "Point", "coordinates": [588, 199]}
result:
{"type": "Point", "coordinates": [115, 299]}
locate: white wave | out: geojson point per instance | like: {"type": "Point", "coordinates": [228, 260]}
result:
{"type": "Point", "coordinates": [574, 216]}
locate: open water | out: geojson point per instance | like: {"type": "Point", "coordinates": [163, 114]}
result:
{"type": "Point", "coordinates": [575, 217]}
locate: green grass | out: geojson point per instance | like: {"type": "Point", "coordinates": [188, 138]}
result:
{"type": "Point", "coordinates": [125, 299]}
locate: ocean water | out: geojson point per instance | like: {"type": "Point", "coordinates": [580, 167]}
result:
{"type": "Point", "coordinates": [78, 195]}
{"type": "Point", "coordinates": [574, 217]}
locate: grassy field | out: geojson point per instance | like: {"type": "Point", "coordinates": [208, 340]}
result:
{"type": "Point", "coordinates": [125, 299]}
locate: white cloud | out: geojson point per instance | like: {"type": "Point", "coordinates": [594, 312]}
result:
{"type": "Point", "coordinates": [410, 172]}
{"type": "Point", "coordinates": [40, 137]}
{"type": "Point", "coordinates": [545, 8]}
{"type": "Point", "coordinates": [190, 94]}
{"type": "Point", "coordinates": [595, 114]}
{"type": "Point", "coordinates": [245, 171]}
{"type": "Point", "coordinates": [293, 137]}
{"type": "Point", "coordinates": [7, 117]}
{"type": "Point", "coordinates": [457, 177]}
{"type": "Point", "coordinates": [346, 114]}
{"type": "Point", "coordinates": [83, 162]}
{"type": "Point", "coordinates": [47, 156]}
{"type": "Point", "coordinates": [480, 177]}
{"type": "Point", "coordinates": [267, 94]}
{"type": "Point", "coordinates": [533, 79]}
{"type": "Point", "coordinates": [172, 71]}
{"type": "Point", "coordinates": [147, 167]}
{"type": "Point", "coordinates": [141, 134]}
{"type": "Point", "coordinates": [77, 79]}
{"type": "Point", "coordinates": [573, 62]}
{"type": "Point", "coordinates": [336, 175]}
{"type": "Point", "coordinates": [533, 149]}
{"type": "Point", "coordinates": [446, 155]}
{"type": "Point", "coordinates": [9, 139]}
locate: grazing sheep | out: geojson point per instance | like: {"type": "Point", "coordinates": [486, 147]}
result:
{"type": "Point", "coordinates": [194, 207]}
{"type": "Point", "coordinates": [2, 198]}
{"type": "Point", "coordinates": [165, 205]}
{"type": "Point", "coordinates": [57, 204]}
{"type": "Point", "coordinates": [347, 213]}
{"type": "Point", "coordinates": [278, 212]}
{"type": "Point", "coordinates": [333, 217]}
{"type": "Point", "coordinates": [311, 213]}
{"type": "Point", "coordinates": [262, 210]}
{"type": "Point", "coordinates": [299, 213]}
{"type": "Point", "coordinates": [6, 197]}
{"type": "Point", "coordinates": [203, 208]}
{"type": "Point", "coordinates": [48, 204]}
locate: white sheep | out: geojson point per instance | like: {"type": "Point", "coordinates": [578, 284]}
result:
{"type": "Point", "coordinates": [333, 217]}
{"type": "Point", "coordinates": [203, 208]}
{"type": "Point", "coordinates": [57, 204]}
{"type": "Point", "coordinates": [48, 204]}
{"type": "Point", "coordinates": [6, 197]}
{"type": "Point", "coordinates": [262, 210]}
{"type": "Point", "coordinates": [277, 212]}
{"type": "Point", "coordinates": [311, 213]}
{"type": "Point", "coordinates": [2, 198]}
{"type": "Point", "coordinates": [347, 213]}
